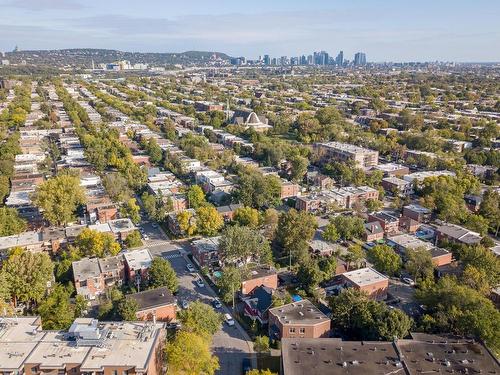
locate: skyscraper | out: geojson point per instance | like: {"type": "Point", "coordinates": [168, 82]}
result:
{"type": "Point", "coordinates": [267, 60]}
{"type": "Point", "coordinates": [340, 58]}
{"type": "Point", "coordinates": [360, 59]}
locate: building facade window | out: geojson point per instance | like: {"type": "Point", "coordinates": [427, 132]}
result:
{"type": "Point", "coordinates": [291, 330]}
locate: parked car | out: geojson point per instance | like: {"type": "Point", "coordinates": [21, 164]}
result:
{"type": "Point", "coordinates": [146, 237]}
{"type": "Point", "coordinates": [200, 282]}
{"type": "Point", "coordinates": [246, 365]}
{"type": "Point", "coordinates": [154, 225]}
{"type": "Point", "coordinates": [216, 303]}
{"type": "Point", "coordinates": [184, 304]}
{"type": "Point", "coordinates": [408, 281]}
{"type": "Point", "coordinates": [190, 267]}
{"type": "Point", "coordinates": [229, 319]}
{"type": "Point", "coordinates": [174, 325]}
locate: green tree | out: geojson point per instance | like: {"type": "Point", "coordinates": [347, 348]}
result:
{"type": "Point", "coordinates": [161, 274]}
{"type": "Point", "coordinates": [117, 187]}
{"type": "Point", "coordinates": [28, 274]}
{"type": "Point", "coordinates": [490, 209]}
{"type": "Point", "coordinates": [271, 218]}
{"type": "Point", "coordinates": [132, 210]}
{"type": "Point", "coordinates": [55, 310]}
{"type": "Point", "coordinates": [358, 317]}
{"type": "Point", "coordinates": [295, 230]}
{"type": "Point", "coordinates": [298, 168]}
{"type": "Point", "coordinates": [5, 294]}
{"type": "Point", "coordinates": [477, 223]}
{"type": "Point", "coordinates": [385, 259]}
{"type": "Point", "coordinates": [59, 197]}
{"type": "Point", "coordinates": [373, 205]}
{"type": "Point", "coordinates": [260, 372]}
{"type": "Point", "coordinates": [80, 306]}
{"type": "Point", "coordinates": [247, 216]}
{"type": "Point", "coordinates": [261, 344]}
{"type": "Point", "coordinates": [353, 256]}
{"type": "Point", "coordinates": [309, 275]}
{"type": "Point", "coordinates": [419, 263]}
{"type": "Point", "coordinates": [196, 197]}
{"type": "Point", "coordinates": [10, 222]}
{"type": "Point", "coordinates": [209, 221]}
{"type": "Point", "coordinates": [238, 244]}
{"type": "Point", "coordinates": [257, 190]}
{"type": "Point", "coordinates": [330, 233]}
{"type": "Point", "coordinates": [127, 309]}
{"type": "Point", "coordinates": [187, 222]}
{"type": "Point", "coordinates": [483, 260]}
{"type": "Point", "coordinates": [133, 239]}
{"type": "Point", "coordinates": [328, 265]}
{"type": "Point", "coordinates": [201, 319]}
{"type": "Point", "coordinates": [477, 279]}
{"type": "Point", "coordinates": [190, 354]}
{"type": "Point", "coordinates": [457, 308]}
{"type": "Point", "coordinates": [348, 227]}
{"type": "Point", "coordinates": [229, 283]}
{"type": "Point", "coordinates": [93, 243]}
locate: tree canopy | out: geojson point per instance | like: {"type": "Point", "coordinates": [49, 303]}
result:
{"type": "Point", "coordinates": [385, 259]}
{"type": "Point", "coordinates": [59, 197]}
{"type": "Point", "coordinates": [201, 319]}
{"type": "Point", "coordinates": [161, 273]}
{"type": "Point", "coordinates": [358, 317]}
{"type": "Point", "coordinates": [96, 244]}
{"type": "Point", "coordinates": [238, 244]}
{"type": "Point", "coordinates": [28, 274]}
{"type": "Point", "coordinates": [190, 354]}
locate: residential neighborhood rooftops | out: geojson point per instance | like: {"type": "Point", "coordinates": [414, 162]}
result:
{"type": "Point", "coordinates": [424, 353]}
{"type": "Point", "coordinates": [153, 298]}
{"type": "Point", "coordinates": [364, 276]}
{"type": "Point", "coordinates": [138, 259]}
{"type": "Point", "coordinates": [303, 312]}
{"type": "Point", "coordinates": [459, 233]}
{"type": "Point", "coordinates": [86, 268]}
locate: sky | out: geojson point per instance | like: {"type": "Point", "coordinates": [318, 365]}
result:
{"type": "Point", "coordinates": [386, 30]}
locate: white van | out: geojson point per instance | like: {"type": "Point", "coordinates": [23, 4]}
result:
{"type": "Point", "coordinates": [229, 319]}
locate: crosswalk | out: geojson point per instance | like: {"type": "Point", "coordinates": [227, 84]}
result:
{"type": "Point", "coordinates": [172, 256]}
{"type": "Point", "coordinates": [152, 243]}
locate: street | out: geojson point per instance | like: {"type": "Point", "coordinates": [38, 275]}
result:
{"type": "Point", "coordinates": [230, 344]}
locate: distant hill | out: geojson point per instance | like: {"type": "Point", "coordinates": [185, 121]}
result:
{"type": "Point", "coordinates": [82, 57]}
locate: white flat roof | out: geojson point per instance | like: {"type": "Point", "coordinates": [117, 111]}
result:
{"type": "Point", "coordinates": [365, 276]}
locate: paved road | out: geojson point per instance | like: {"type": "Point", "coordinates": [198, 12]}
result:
{"type": "Point", "coordinates": [230, 344]}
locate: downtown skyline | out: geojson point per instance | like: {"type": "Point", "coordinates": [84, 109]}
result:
{"type": "Point", "coordinates": [388, 31]}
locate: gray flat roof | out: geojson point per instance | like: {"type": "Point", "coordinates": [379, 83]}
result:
{"type": "Point", "coordinates": [303, 312]}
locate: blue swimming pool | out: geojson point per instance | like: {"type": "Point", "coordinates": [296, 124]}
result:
{"type": "Point", "coordinates": [217, 274]}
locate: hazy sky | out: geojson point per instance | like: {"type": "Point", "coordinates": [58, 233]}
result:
{"type": "Point", "coordinates": [387, 30]}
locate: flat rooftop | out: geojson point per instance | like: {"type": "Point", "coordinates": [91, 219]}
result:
{"type": "Point", "coordinates": [347, 147]}
{"type": "Point", "coordinates": [138, 259]}
{"type": "Point", "coordinates": [86, 268]}
{"type": "Point", "coordinates": [325, 356]}
{"type": "Point", "coordinates": [424, 354]}
{"type": "Point", "coordinates": [364, 276]}
{"type": "Point", "coordinates": [153, 298]}
{"type": "Point", "coordinates": [303, 312]}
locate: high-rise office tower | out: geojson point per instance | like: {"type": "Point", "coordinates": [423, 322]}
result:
{"type": "Point", "coordinates": [267, 60]}
{"type": "Point", "coordinates": [340, 59]}
{"type": "Point", "coordinates": [360, 59]}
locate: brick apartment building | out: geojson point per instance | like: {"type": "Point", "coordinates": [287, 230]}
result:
{"type": "Point", "coordinates": [367, 280]}
{"type": "Point", "coordinates": [298, 320]}
{"type": "Point", "coordinates": [263, 275]}
{"type": "Point", "coordinates": [155, 304]}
